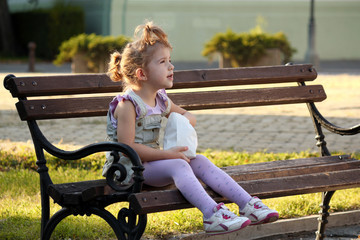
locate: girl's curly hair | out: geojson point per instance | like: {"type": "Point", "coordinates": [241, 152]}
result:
{"type": "Point", "coordinates": [122, 66]}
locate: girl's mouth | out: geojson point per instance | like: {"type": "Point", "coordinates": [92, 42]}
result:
{"type": "Point", "coordinates": [171, 77]}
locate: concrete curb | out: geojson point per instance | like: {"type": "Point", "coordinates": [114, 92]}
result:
{"type": "Point", "coordinates": [283, 227]}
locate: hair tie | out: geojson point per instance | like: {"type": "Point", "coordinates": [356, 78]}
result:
{"type": "Point", "coordinates": [118, 59]}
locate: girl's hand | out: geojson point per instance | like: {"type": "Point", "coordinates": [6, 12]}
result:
{"type": "Point", "coordinates": [177, 152]}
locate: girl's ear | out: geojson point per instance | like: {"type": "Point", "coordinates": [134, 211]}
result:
{"type": "Point", "coordinates": [140, 74]}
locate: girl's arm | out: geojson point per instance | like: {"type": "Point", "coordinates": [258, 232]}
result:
{"type": "Point", "coordinates": [180, 110]}
{"type": "Point", "coordinates": [126, 116]}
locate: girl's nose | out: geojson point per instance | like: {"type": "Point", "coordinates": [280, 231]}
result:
{"type": "Point", "coordinates": [171, 67]}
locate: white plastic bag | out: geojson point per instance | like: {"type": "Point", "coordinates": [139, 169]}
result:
{"type": "Point", "coordinates": [179, 132]}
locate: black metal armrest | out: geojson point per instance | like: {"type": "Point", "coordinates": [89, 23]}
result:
{"type": "Point", "coordinates": [91, 149]}
{"type": "Point", "coordinates": [103, 147]}
{"type": "Point", "coordinates": [332, 127]}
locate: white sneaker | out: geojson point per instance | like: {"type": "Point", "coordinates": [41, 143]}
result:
{"type": "Point", "coordinates": [258, 212]}
{"type": "Point", "coordinates": [224, 221]}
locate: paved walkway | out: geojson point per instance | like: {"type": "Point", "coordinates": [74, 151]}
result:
{"type": "Point", "coordinates": [272, 129]}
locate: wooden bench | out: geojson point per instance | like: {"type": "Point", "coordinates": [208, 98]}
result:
{"type": "Point", "coordinates": [37, 101]}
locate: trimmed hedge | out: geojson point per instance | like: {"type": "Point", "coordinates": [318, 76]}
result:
{"type": "Point", "coordinates": [246, 48]}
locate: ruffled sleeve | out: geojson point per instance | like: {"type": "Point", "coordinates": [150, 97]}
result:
{"type": "Point", "coordinates": [116, 100]}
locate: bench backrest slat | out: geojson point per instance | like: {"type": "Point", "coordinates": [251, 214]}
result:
{"type": "Point", "coordinates": [63, 85]}
{"type": "Point", "coordinates": [100, 83]}
{"type": "Point", "coordinates": [244, 76]}
{"type": "Point", "coordinates": [98, 106]}
{"type": "Point", "coordinates": [249, 97]}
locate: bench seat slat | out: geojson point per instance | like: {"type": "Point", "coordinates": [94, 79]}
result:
{"type": "Point", "coordinates": [101, 83]}
{"type": "Point", "coordinates": [285, 164]}
{"type": "Point", "coordinates": [293, 171]}
{"type": "Point", "coordinates": [98, 106]}
{"type": "Point", "coordinates": [148, 202]}
{"type": "Point", "coordinates": [282, 168]}
{"type": "Point", "coordinates": [57, 191]}
{"type": "Point", "coordinates": [80, 192]}
{"type": "Point", "coordinates": [303, 184]}
{"type": "Point", "coordinates": [242, 175]}
{"type": "Point", "coordinates": [71, 194]}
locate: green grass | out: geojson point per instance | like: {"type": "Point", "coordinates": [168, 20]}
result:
{"type": "Point", "coordinates": [20, 197]}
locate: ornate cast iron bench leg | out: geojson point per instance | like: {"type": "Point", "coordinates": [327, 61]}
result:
{"type": "Point", "coordinates": [326, 197]}
{"type": "Point", "coordinates": [123, 228]}
{"type": "Point", "coordinates": [132, 224]}
{"type": "Point", "coordinates": [54, 221]}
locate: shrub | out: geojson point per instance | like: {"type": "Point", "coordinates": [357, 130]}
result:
{"type": "Point", "coordinates": [96, 49]}
{"type": "Point", "coordinates": [244, 49]}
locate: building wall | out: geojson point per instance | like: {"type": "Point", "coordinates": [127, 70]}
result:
{"type": "Point", "coordinates": [190, 23]}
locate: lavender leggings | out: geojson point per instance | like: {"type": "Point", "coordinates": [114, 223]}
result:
{"type": "Point", "coordinates": [184, 175]}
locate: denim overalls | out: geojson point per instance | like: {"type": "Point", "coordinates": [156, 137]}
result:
{"type": "Point", "coordinates": [147, 129]}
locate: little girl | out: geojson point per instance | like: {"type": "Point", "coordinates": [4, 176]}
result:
{"type": "Point", "coordinates": [144, 67]}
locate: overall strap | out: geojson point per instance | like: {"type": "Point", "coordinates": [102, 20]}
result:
{"type": "Point", "coordinates": [167, 110]}
{"type": "Point", "coordinates": [139, 102]}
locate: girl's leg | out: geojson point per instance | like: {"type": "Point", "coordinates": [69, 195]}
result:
{"type": "Point", "coordinates": [164, 172]}
{"type": "Point", "coordinates": [217, 218]}
{"type": "Point", "coordinates": [219, 181]}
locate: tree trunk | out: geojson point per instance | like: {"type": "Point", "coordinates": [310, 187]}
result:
{"type": "Point", "coordinates": [7, 44]}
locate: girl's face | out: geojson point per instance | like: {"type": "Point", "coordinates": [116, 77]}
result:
{"type": "Point", "coordinates": [159, 70]}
